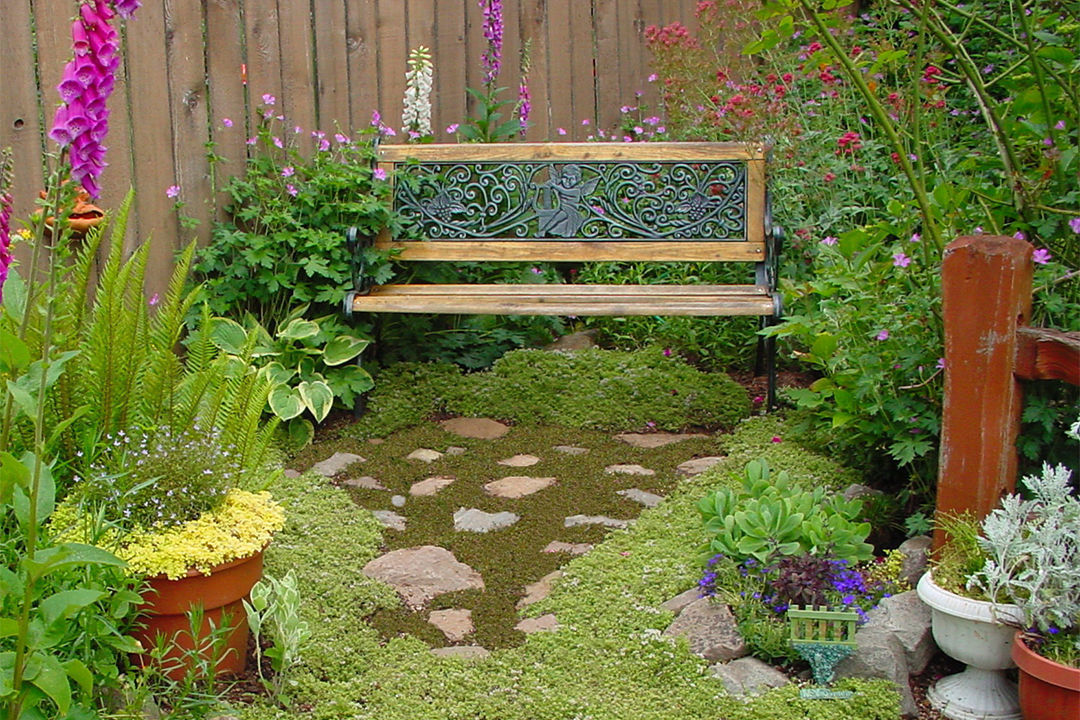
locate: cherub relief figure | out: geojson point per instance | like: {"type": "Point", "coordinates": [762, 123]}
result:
{"type": "Point", "coordinates": [562, 194]}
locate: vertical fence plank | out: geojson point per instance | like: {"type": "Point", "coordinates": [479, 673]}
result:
{"type": "Point", "coordinates": [228, 101]}
{"type": "Point", "coordinates": [263, 56]}
{"type": "Point", "coordinates": [583, 62]}
{"type": "Point", "coordinates": [391, 36]}
{"type": "Point", "coordinates": [298, 87]}
{"type": "Point", "coordinates": [20, 127]}
{"type": "Point", "coordinates": [152, 141]}
{"type": "Point", "coordinates": [608, 96]}
{"type": "Point", "coordinates": [189, 113]}
{"type": "Point", "coordinates": [561, 69]}
{"type": "Point", "coordinates": [363, 61]}
{"type": "Point", "coordinates": [448, 54]}
{"type": "Point", "coordinates": [532, 28]}
{"type": "Point", "coordinates": [331, 66]}
{"type": "Point", "coordinates": [986, 296]}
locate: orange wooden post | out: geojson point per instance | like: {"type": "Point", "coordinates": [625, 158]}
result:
{"type": "Point", "coordinates": [986, 298]}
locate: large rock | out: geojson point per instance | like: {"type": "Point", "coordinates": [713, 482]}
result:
{"type": "Point", "coordinates": [880, 654]}
{"type": "Point", "coordinates": [480, 428]}
{"type": "Point", "coordinates": [517, 486]}
{"type": "Point", "coordinates": [420, 573]}
{"type": "Point", "coordinates": [748, 676]}
{"type": "Point", "coordinates": [474, 520]}
{"type": "Point", "coordinates": [710, 629]}
{"type": "Point", "coordinates": [908, 618]}
{"type": "Point", "coordinates": [456, 624]}
{"type": "Point", "coordinates": [679, 603]}
{"type": "Point", "coordinates": [336, 463]}
{"type": "Point", "coordinates": [916, 553]}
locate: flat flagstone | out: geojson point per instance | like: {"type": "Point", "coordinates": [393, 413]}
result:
{"type": "Point", "coordinates": [430, 486]}
{"type": "Point", "coordinates": [538, 624]}
{"type": "Point", "coordinates": [398, 501]}
{"type": "Point", "coordinates": [336, 463]}
{"type": "Point", "coordinates": [557, 546]}
{"type": "Point", "coordinates": [520, 461]}
{"type": "Point", "coordinates": [479, 428]}
{"type": "Point", "coordinates": [456, 450]}
{"type": "Point", "coordinates": [540, 589]}
{"type": "Point", "coordinates": [570, 449]}
{"type": "Point", "coordinates": [424, 455]}
{"type": "Point", "coordinates": [419, 574]}
{"type": "Point", "coordinates": [628, 470]}
{"type": "Point", "coordinates": [517, 486]}
{"type": "Point", "coordinates": [291, 474]}
{"type": "Point", "coordinates": [698, 465]}
{"type": "Point", "coordinates": [647, 499]}
{"type": "Point", "coordinates": [463, 652]}
{"type": "Point", "coordinates": [376, 441]}
{"type": "Point", "coordinates": [655, 440]}
{"type": "Point", "coordinates": [576, 520]}
{"type": "Point", "coordinates": [456, 624]}
{"type": "Point", "coordinates": [474, 520]}
{"type": "Point", "coordinates": [365, 482]}
{"type": "Point", "coordinates": [389, 519]}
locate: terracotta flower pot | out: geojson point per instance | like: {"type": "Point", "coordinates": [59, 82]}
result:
{"type": "Point", "coordinates": [1048, 690]}
{"type": "Point", "coordinates": [220, 594]}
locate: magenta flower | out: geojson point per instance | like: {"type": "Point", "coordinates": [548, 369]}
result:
{"type": "Point", "coordinates": [491, 60]}
{"type": "Point", "coordinates": [900, 260]}
{"type": "Point", "coordinates": [883, 335]}
{"type": "Point", "coordinates": [667, 352]}
{"type": "Point", "coordinates": [81, 122]}
{"type": "Point", "coordinates": [7, 175]}
{"type": "Point", "coordinates": [268, 99]}
{"type": "Point", "coordinates": [172, 191]}
{"type": "Point", "coordinates": [341, 138]}
{"type": "Point", "coordinates": [379, 174]}
{"type": "Point", "coordinates": [126, 8]}
{"type": "Point", "coordinates": [1041, 256]}
{"type": "Point", "coordinates": [226, 122]}
{"type": "Point", "coordinates": [288, 171]}
{"type": "Point", "coordinates": [291, 189]}
{"type": "Point", "coordinates": [776, 439]}
{"type": "Point", "coordinates": [1075, 225]}
{"type": "Point", "coordinates": [452, 128]}
{"type": "Point", "coordinates": [829, 240]}
{"type": "Point", "coordinates": [277, 142]}
{"type": "Point", "coordinates": [561, 131]}
{"type": "Point", "coordinates": [916, 237]}
{"type": "Point", "coordinates": [524, 105]}
{"type": "Point", "coordinates": [154, 300]}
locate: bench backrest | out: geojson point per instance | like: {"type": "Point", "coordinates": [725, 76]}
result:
{"type": "Point", "coordinates": [581, 201]}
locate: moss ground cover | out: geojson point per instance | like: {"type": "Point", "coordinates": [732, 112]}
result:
{"type": "Point", "coordinates": [607, 660]}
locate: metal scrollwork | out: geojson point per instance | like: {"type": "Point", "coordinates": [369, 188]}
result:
{"type": "Point", "coordinates": [566, 200]}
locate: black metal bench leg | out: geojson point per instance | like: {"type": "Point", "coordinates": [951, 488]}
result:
{"type": "Point", "coordinates": [765, 362]}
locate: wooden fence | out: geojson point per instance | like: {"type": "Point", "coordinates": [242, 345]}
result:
{"type": "Point", "coordinates": [189, 64]}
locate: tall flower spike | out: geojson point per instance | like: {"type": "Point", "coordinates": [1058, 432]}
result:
{"type": "Point", "coordinates": [7, 176]}
{"type": "Point", "coordinates": [416, 116]}
{"type": "Point", "coordinates": [491, 60]}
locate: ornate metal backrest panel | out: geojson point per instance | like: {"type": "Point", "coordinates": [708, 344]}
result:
{"type": "Point", "coordinates": [584, 200]}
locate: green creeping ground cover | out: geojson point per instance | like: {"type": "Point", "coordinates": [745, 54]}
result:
{"type": "Point", "coordinates": [607, 661]}
{"type": "Point", "coordinates": [601, 389]}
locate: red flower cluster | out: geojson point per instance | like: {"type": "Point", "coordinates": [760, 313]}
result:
{"type": "Point", "coordinates": [671, 35]}
{"type": "Point", "coordinates": [849, 142]}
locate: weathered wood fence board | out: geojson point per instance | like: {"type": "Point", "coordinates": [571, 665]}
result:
{"type": "Point", "coordinates": [329, 63]}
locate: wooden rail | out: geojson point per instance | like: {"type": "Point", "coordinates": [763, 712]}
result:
{"type": "Point", "coordinates": [989, 350]}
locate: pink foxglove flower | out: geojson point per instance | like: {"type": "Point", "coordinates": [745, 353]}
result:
{"type": "Point", "coordinates": [6, 178]}
{"type": "Point", "coordinates": [491, 60]}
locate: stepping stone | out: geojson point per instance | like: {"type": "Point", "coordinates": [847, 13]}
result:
{"type": "Point", "coordinates": [699, 465]}
{"type": "Point", "coordinates": [539, 590]}
{"type": "Point", "coordinates": [424, 455]}
{"type": "Point", "coordinates": [337, 462]}
{"type": "Point", "coordinates": [366, 482]}
{"type": "Point", "coordinates": [390, 519]}
{"type": "Point", "coordinates": [520, 461]}
{"type": "Point", "coordinates": [647, 499]}
{"type": "Point", "coordinates": [655, 440]}
{"type": "Point", "coordinates": [628, 470]}
{"type": "Point", "coordinates": [376, 441]}
{"type": "Point", "coordinates": [420, 573]}
{"type": "Point", "coordinates": [464, 652]}
{"type": "Point", "coordinates": [537, 624]}
{"type": "Point", "coordinates": [557, 546]}
{"type": "Point", "coordinates": [576, 520]}
{"type": "Point", "coordinates": [455, 450]}
{"type": "Point", "coordinates": [517, 486]}
{"type": "Point", "coordinates": [398, 501]}
{"type": "Point", "coordinates": [291, 474]}
{"type": "Point", "coordinates": [473, 520]}
{"type": "Point", "coordinates": [455, 624]}
{"type": "Point", "coordinates": [430, 486]}
{"type": "Point", "coordinates": [480, 428]}
{"type": "Point", "coordinates": [570, 449]}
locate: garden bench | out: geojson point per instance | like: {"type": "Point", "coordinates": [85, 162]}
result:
{"type": "Point", "coordinates": [580, 202]}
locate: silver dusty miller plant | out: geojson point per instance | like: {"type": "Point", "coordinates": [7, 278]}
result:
{"type": "Point", "coordinates": [1033, 549]}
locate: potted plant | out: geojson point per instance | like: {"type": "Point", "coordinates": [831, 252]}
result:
{"type": "Point", "coordinates": [184, 511]}
{"type": "Point", "coordinates": [1033, 561]}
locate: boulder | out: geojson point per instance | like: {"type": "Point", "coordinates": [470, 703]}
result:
{"type": "Point", "coordinates": [678, 603]}
{"type": "Point", "coordinates": [880, 654]}
{"type": "Point", "coordinates": [908, 618]}
{"type": "Point", "coordinates": [748, 676]}
{"type": "Point", "coordinates": [916, 552]}
{"type": "Point", "coordinates": [710, 629]}
{"type": "Point", "coordinates": [420, 573]}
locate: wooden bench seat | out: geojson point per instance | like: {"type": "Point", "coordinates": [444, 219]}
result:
{"type": "Point", "coordinates": [576, 203]}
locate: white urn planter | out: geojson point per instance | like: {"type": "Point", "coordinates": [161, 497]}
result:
{"type": "Point", "coordinates": [980, 635]}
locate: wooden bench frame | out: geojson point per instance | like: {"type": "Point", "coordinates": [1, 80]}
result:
{"type": "Point", "coordinates": [555, 202]}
